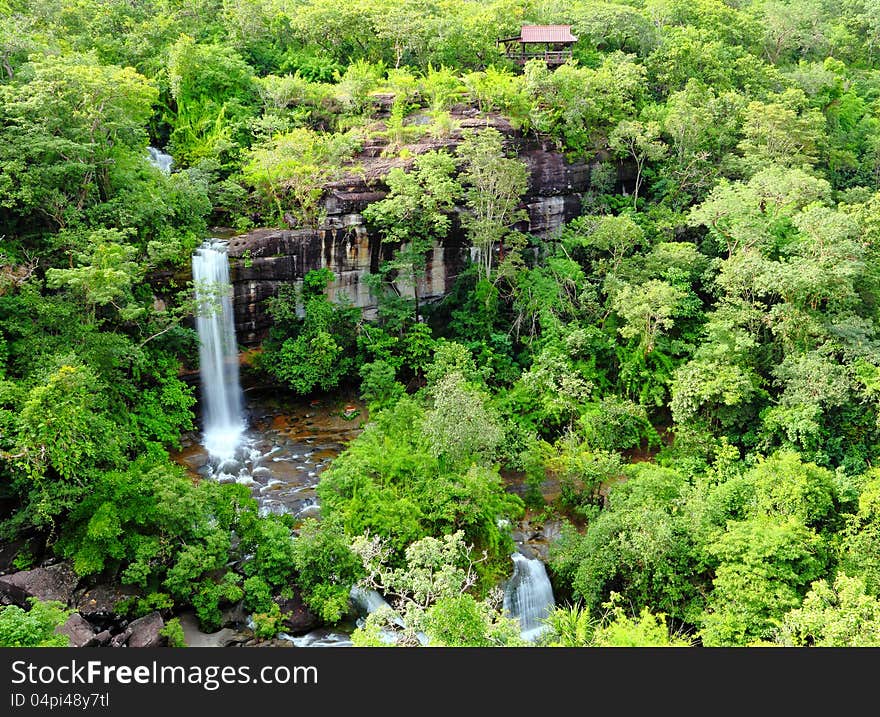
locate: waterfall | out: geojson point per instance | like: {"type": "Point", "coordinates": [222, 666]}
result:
{"type": "Point", "coordinates": [223, 418]}
{"type": "Point", "coordinates": [159, 159]}
{"type": "Point", "coordinates": [528, 595]}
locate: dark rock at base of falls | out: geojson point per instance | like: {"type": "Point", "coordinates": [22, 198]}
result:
{"type": "Point", "coordinates": [235, 616]}
{"type": "Point", "coordinates": [78, 630]}
{"type": "Point", "coordinates": [143, 632]}
{"type": "Point", "coordinates": [54, 582]}
{"type": "Point", "coordinates": [297, 618]}
{"type": "Point", "coordinates": [100, 602]}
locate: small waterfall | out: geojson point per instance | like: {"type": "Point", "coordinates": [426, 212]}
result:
{"type": "Point", "coordinates": [159, 159]}
{"type": "Point", "coordinates": [223, 417]}
{"type": "Point", "coordinates": [528, 595]}
{"type": "Point", "coordinates": [367, 600]}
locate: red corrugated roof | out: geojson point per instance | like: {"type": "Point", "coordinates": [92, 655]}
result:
{"type": "Point", "coordinates": [546, 33]}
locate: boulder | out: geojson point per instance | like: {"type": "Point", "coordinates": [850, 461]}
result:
{"type": "Point", "coordinates": [145, 631]}
{"type": "Point", "coordinates": [101, 639]}
{"type": "Point", "coordinates": [99, 602]}
{"type": "Point", "coordinates": [194, 637]}
{"type": "Point", "coordinates": [78, 629]}
{"type": "Point", "coordinates": [120, 639]}
{"type": "Point", "coordinates": [235, 616]}
{"type": "Point", "coordinates": [55, 582]}
{"type": "Point", "coordinates": [273, 642]}
{"type": "Point", "coordinates": [297, 618]}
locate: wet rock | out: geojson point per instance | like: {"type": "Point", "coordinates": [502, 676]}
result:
{"type": "Point", "coordinates": [144, 632]}
{"type": "Point", "coordinates": [528, 550]}
{"type": "Point", "coordinates": [78, 630]}
{"type": "Point", "coordinates": [235, 616]}
{"type": "Point", "coordinates": [518, 536]}
{"type": "Point", "coordinates": [101, 639]}
{"type": "Point", "coordinates": [297, 618]}
{"type": "Point", "coordinates": [100, 601]}
{"type": "Point", "coordinates": [309, 511]}
{"type": "Point", "coordinates": [540, 551]}
{"type": "Point", "coordinates": [272, 507]}
{"type": "Point", "coordinates": [194, 637]}
{"type": "Point", "coordinates": [274, 642]}
{"type": "Point", "coordinates": [231, 466]}
{"type": "Point", "coordinates": [55, 582]}
{"type": "Point", "coordinates": [321, 637]}
{"type": "Point", "coordinates": [120, 639]}
{"type": "Point", "coordinates": [551, 530]}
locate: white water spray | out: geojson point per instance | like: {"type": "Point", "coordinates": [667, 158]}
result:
{"type": "Point", "coordinates": [528, 596]}
{"type": "Point", "coordinates": [223, 417]}
{"type": "Point", "coordinates": [160, 159]}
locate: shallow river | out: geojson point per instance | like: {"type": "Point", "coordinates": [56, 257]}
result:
{"type": "Point", "coordinates": [288, 444]}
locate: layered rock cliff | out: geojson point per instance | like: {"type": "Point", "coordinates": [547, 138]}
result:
{"type": "Point", "coordinates": [263, 259]}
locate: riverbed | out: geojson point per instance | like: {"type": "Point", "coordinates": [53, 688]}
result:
{"type": "Point", "coordinates": [288, 443]}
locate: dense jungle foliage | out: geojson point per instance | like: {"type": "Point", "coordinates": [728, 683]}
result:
{"type": "Point", "coordinates": [695, 359]}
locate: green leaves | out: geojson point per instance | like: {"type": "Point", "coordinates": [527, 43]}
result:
{"type": "Point", "coordinates": [34, 627]}
{"type": "Point", "coordinates": [318, 354]}
{"type": "Point", "coordinates": [289, 170]}
{"type": "Point", "coordinates": [66, 132]}
{"type": "Point", "coordinates": [841, 614]}
{"type": "Point", "coordinates": [495, 185]}
{"type": "Point", "coordinates": [326, 567]}
{"type": "Point", "coordinates": [460, 426]}
{"type": "Point", "coordinates": [62, 428]}
{"type": "Point", "coordinates": [106, 273]}
{"type": "Point", "coordinates": [764, 567]}
{"type": "Point", "coordinates": [402, 482]}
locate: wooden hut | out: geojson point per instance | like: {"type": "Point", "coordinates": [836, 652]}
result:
{"type": "Point", "coordinates": [550, 43]}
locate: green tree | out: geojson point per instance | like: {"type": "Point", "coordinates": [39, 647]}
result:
{"type": "Point", "coordinates": [34, 627]}
{"type": "Point", "coordinates": [640, 142]}
{"type": "Point", "coordinates": [765, 567]}
{"type": "Point", "coordinates": [494, 185]}
{"type": "Point", "coordinates": [432, 593]}
{"type": "Point", "coordinates": [67, 134]}
{"type": "Point", "coordinates": [841, 614]}
{"type": "Point", "coordinates": [415, 215]}
{"type": "Point", "coordinates": [460, 426]}
{"type": "Point", "coordinates": [289, 171]}
{"type": "Point", "coordinates": [647, 311]}
{"type": "Point", "coordinates": [326, 567]}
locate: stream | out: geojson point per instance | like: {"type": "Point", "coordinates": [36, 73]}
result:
{"type": "Point", "coordinates": [279, 447]}
{"type": "Point", "coordinates": [282, 452]}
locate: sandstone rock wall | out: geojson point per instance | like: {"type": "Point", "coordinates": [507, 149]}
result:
{"type": "Point", "coordinates": [263, 259]}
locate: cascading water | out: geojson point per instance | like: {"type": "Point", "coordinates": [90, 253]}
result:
{"type": "Point", "coordinates": [160, 159]}
{"type": "Point", "coordinates": [528, 595]}
{"type": "Point", "coordinates": [223, 417]}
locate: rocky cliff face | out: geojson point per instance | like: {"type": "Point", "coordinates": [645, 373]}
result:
{"type": "Point", "coordinates": [263, 259]}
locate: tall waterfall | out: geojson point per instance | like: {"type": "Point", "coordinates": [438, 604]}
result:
{"type": "Point", "coordinates": [528, 595]}
{"type": "Point", "coordinates": [223, 417]}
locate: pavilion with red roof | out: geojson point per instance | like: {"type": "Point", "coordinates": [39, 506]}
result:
{"type": "Point", "coordinates": [551, 43]}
